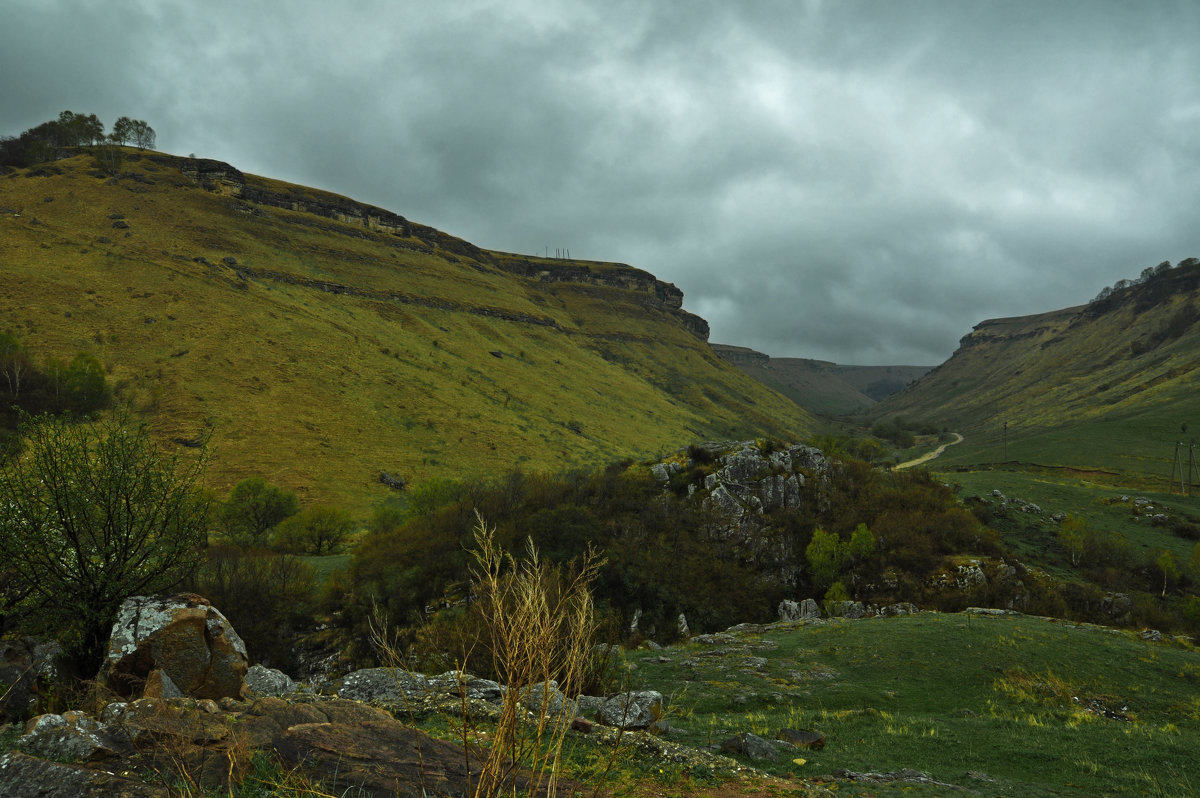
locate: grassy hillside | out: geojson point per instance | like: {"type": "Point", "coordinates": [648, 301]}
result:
{"type": "Point", "coordinates": [324, 341]}
{"type": "Point", "coordinates": [1107, 385]}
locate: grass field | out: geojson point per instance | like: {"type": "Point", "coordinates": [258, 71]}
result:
{"type": "Point", "coordinates": [1010, 705]}
{"type": "Point", "coordinates": [1100, 505]}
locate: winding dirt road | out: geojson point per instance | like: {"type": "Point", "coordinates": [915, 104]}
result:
{"type": "Point", "coordinates": [925, 458]}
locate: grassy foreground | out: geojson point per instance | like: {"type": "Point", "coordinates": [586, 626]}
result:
{"type": "Point", "coordinates": [1009, 705]}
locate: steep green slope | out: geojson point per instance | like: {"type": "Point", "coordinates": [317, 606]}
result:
{"type": "Point", "coordinates": [1110, 384]}
{"type": "Point", "coordinates": [324, 341]}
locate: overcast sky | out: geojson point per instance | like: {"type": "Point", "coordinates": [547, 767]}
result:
{"type": "Point", "coordinates": [852, 181]}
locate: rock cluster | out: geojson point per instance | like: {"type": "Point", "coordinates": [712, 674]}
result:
{"type": "Point", "coordinates": [744, 483]}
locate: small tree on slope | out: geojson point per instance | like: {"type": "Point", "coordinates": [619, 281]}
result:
{"type": "Point", "coordinates": [90, 515]}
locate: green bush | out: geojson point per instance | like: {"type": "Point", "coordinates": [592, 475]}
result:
{"type": "Point", "coordinates": [89, 516]}
{"type": "Point", "coordinates": [315, 530]}
{"type": "Point", "coordinates": [254, 508]}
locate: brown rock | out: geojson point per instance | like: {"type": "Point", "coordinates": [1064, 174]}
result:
{"type": "Point", "coordinates": [24, 776]}
{"type": "Point", "coordinates": [385, 758]}
{"type": "Point", "coordinates": [802, 738]}
{"type": "Point", "coordinates": [285, 714]}
{"type": "Point", "coordinates": [159, 685]}
{"type": "Point", "coordinates": [351, 712]}
{"type": "Point", "coordinates": [185, 638]}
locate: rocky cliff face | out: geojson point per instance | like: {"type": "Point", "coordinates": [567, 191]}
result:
{"type": "Point", "coordinates": [744, 483]}
{"type": "Point", "coordinates": [741, 355]}
{"type": "Point", "coordinates": [220, 177]}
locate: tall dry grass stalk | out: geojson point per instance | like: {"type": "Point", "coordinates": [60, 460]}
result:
{"type": "Point", "coordinates": [541, 625]}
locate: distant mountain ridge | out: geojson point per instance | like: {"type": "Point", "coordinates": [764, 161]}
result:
{"type": "Point", "coordinates": [821, 386]}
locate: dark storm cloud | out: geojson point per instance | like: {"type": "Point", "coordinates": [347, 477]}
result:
{"type": "Point", "coordinates": [853, 181]}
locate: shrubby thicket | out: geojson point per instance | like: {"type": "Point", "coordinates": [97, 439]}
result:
{"type": "Point", "coordinates": [91, 514]}
{"type": "Point", "coordinates": [666, 553]}
{"type": "Point", "coordinates": [51, 385]}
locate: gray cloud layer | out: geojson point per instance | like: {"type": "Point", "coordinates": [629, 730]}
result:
{"type": "Point", "coordinates": [853, 181]}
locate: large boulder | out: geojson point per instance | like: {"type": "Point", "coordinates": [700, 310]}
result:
{"type": "Point", "coordinates": [24, 776]}
{"type": "Point", "coordinates": [806, 610]}
{"type": "Point", "coordinates": [751, 746]}
{"type": "Point", "coordinates": [72, 737]}
{"type": "Point", "coordinates": [638, 709]}
{"type": "Point", "coordinates": [383, 685]}
{"type": "Point", "coordinates": [174, 645]}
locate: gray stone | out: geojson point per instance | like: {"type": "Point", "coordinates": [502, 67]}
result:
{"type": "Point", "coordinates": [847, 609]}
{"type": "Point", "coordinates": [631, 710]}
{"type": "Point", "coordinates": [751, 746]}
{"type": "Point", "coordinates": [802, 738]}
{"type": "Point", "coordinates": [806, 610]}
{"type": "Point", "coordinates": [262, 680]}
{"type": "Point", "coordinates": [588, 705]}
{"type": "Point", "coordinates": [547, 699]}
{"type": "Point", "coordinates": [484, 689]}
{"type": "Point", "coordinates": [1118, 607]}
{"type": "Point", "coordinates": [73, 738]}
{"type": "Point", "coordinates": [382, 684]}
{"type": "Point", "coordinates": [789, 610]}
{"type": "Point", "coordinates": [726, 502]}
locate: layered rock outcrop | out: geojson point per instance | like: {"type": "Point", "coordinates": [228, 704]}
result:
{"type": "Point", "coordinates": [222, 178]}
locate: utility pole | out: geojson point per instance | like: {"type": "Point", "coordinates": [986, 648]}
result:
{"type": "Point", "coordinates": [1193, 468]}
{"type": "Point", "coordinates": [1177, 467]}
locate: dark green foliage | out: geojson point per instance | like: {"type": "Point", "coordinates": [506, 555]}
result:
{"type": "Point", "coordinates": [254, 508]}
{"type": "Point", "coordinates": [89, 516]}
{"type": "Point", "coordinates": [667, 553]}
{"type": "Point", "coordinates": [315, 530]}
{"type": "Point", "coordinates": [902, 432]}
{"type": "Point", "coordinates": [42, 143]}
{"type": "Point", "coordinates": [269, 599]}
{"type": "Point", "coordinates": [78, 387]}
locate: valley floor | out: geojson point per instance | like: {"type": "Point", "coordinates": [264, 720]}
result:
{"type": "Point", "coordinates": [925, 458]}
